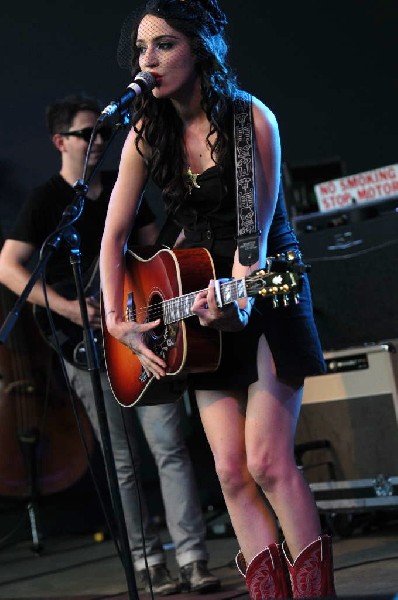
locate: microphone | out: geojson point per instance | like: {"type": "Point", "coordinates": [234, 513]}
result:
{"type": "Point", "coordinates": [143, 82]}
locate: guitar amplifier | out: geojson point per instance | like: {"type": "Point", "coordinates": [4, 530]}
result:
{"type": "Point", "coordinates": [353, 408]}
{"type": "Point", "coordinates": [353, 255]}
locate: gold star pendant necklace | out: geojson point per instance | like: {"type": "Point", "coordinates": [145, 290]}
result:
{"type": "Point", "coordinates": [192, 180]}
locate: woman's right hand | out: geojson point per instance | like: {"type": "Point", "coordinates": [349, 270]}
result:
{"type": "Point", "coordinates": [131, 334]}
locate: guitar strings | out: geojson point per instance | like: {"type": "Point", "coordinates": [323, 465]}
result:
{"type": "Point", "coordinates": [156, 311]}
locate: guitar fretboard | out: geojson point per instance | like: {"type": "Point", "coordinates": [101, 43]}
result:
{"type": "Point", "coordinates": [179, 308]}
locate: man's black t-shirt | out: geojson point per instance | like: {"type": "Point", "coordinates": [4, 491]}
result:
{"type": "Point", "coordinates": [42, 212]}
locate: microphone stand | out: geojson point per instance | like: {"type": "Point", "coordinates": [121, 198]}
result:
{"type": "Point", "coordinates": [65, 231]}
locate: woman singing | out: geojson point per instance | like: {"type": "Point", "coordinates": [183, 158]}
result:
{"type": "Point", "coordinates": [183, 138]}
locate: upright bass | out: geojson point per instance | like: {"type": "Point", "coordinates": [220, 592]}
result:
{"type": "Point", "coordinates": [40, 447]}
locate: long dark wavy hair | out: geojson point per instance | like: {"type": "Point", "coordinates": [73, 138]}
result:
{"type": "Point", "coordinates": [203, 23]}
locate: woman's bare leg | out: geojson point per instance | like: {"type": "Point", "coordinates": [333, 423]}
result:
{"type": "Point", "coordinates": [271, 419]}
{"type": "Point", "coordinates": [253, 445]}
{"type": "Point", "coordinates": [223, 419]}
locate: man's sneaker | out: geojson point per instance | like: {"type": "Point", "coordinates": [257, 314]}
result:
{"type": "Point", "coordinates": [162, 582]}
{"type": "Point", "coordinates": [195, 577]}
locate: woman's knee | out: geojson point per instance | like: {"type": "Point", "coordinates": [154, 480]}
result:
{"type": "Point", "coordinates": [232, 475]}
{"type": "Point", "coordinates": [269, 471]}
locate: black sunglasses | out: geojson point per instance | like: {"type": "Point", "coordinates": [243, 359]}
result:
{"type": "Point", "coordinates": [85, 134]}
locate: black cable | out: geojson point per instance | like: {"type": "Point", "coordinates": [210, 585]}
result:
{"type": "Point", "coordinates": [17, 527]}
{"type": "Point", "coordinates": [365, 562]}
{"type": "Point", "coordinates": [54, 571]}
{"type": "Point", "coordinates": [352, 254]}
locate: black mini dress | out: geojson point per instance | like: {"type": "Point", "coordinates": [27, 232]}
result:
{"type": "Point", "coordinates": [208, 217]}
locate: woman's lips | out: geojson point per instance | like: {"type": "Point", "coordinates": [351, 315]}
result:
{"type": "Point", "coordinates": [157, 77]}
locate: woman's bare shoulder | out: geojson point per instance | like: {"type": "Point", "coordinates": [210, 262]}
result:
{"type": "Point", "coordinates": [262, 114]}
{"type": "Point", "coordinates": [135, 149]}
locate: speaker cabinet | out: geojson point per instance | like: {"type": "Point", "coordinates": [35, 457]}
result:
{"type": "Point", "coordinates": [354, 265]}
{"type": "Point", "coordinates": [354, 406]}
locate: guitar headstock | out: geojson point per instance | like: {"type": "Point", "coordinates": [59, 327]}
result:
{"type": "Point", "coordinates": [281, 279]}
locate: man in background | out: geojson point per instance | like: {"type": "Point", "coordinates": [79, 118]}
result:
{"type": "Point", "coordinates": [70, 123]}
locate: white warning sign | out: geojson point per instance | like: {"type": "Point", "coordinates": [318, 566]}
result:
{"type": "Point", "coordinates": [378, 184]}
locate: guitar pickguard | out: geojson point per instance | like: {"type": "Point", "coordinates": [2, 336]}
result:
{"type": "Point", "coordinates": [161, 339]}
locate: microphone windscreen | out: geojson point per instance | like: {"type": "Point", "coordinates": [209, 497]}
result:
{"type": "Point", "coordinates": [145, 80]}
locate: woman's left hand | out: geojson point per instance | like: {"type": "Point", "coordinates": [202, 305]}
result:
{"type": "Point", "coordinates": [228, 318]}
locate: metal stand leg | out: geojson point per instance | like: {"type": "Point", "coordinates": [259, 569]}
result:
{"type": "Point", "coordinates": [28, 442]}
{"type": "Point", "coordinates": [94, 369]}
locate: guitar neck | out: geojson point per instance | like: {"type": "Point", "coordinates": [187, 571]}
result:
{"type": "Point", "coordinates": [177, 309]}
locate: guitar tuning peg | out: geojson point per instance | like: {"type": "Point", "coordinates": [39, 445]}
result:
{"type": "Point", "coordinates": [285, 300]}
{"type": "Point", "coordinates": [296, 298]}
{"type": "Point", "coordinates": [275, 302]}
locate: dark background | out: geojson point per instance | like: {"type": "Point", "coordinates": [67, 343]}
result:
{"type": "Point", "coordinates": [327, 69]}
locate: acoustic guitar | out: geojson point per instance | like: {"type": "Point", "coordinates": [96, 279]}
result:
{"type": "Point", "coordinates": [164, 286]}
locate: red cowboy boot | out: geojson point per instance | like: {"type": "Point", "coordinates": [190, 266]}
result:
{"type": "Point", "coordinates": [266, 576]}
{"type": "Point", "coordinates": [311, 574]}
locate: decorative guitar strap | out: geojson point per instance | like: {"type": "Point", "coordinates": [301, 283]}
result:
{"type": "Point", "coordinates": [247, 230]}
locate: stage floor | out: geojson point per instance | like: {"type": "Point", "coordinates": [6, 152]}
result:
{"type": "Point", "coordinates": [77, 567]}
